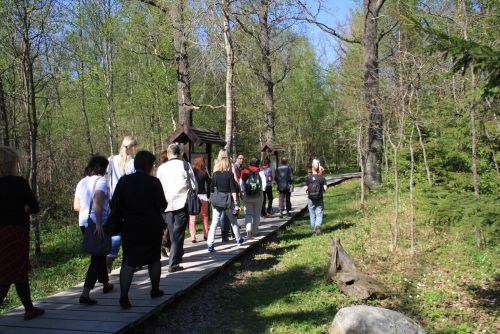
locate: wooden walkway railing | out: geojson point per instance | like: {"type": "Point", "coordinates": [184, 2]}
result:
{"type": "Point", "coordinates": [65, 315]}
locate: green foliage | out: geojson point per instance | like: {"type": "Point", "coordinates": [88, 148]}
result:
{"type": "Point", "coordinates": [447, 208]}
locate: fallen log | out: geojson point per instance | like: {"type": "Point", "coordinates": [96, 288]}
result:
{"type": "Point", "coordinates": [343, 272]}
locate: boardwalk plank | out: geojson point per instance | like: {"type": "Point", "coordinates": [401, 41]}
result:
{"type": "Point", "coordinates": [27, 330]}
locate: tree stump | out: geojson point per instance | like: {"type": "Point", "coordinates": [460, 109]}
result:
{"type": "Point", "coordinates": [343, 272]}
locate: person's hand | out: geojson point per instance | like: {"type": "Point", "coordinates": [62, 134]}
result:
{"type": "Point", "coordinates": [99, 231]}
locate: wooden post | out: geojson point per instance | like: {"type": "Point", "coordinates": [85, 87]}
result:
{"type": "Point", "coordinates": [209, 157]}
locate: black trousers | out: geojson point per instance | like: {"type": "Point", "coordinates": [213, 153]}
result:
{"type": "Point", "coordinates": [177, 223]}
{"type": "Point", "coordinates": [285, 199]}
{"type": "Point", "coordinates": [97, 269]}
{"type": "Point", "coordinates": [23, 291]}
{"type": "Point", "coordinates": [268, 196]}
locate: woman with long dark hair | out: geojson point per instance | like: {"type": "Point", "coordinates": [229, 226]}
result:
{"type": "Point", "coordinates": [93, 189]}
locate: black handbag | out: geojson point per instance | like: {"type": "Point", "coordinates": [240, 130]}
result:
{"type": "Point", "coordinates": [92, 244]}
{"type": "Point", "coordinates": [193, 202]}
{"type": "Point", "coordinates": [219, 199]}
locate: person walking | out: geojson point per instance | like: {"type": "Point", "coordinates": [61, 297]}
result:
{"type": "Point", "coordinates": [165, 239]}
{"type": "Point", "coordinates": [203, 181]}
{"type": "Point", "coordinates": [284, 178]}
{"type": "Point", "coordinates": [174, 176]}
{"type": "Point", "coordinates": [92, 201]}
{"type": "Point", "coordinates": [253, 182]}
{"type": "Point", "coordinates": [119, 165]}
{"type": "Point", "coordinates": [236, 168]}
{"type": "Point", "coordinates": [17, 202]}
{"type": "Point", "coordinates": [268, 190]}
{"type": "Point", "coordinates": [140, 201]}
{"type": "Point", "coordinates": [315, 186]}
{"type": "Point", "coordinates": [224, 184]}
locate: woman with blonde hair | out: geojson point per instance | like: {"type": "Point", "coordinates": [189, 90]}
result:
{"type": "Point", "coordinates": [119, 165]}
{"type": "Point", "coordinates": [17, 202]}
{"type": "Point", "coordinates": [223, 181]}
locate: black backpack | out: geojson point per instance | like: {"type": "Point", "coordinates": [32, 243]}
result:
{"type": "Point", "coordinates": [253, 184]}
{"type": "Point", "coordinates": [314, 188]}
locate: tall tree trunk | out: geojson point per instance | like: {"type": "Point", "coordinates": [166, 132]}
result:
{"type": "Point", "coordinates": [228, 45]}
{"type": "Point", "coordinates": [108, 78]}
{"type": "Point", "coordinates": [475, 176]}
{"type": "Point", "coordinates": [372, 98]}
{"type": "Point", "coordinates": [182, 63]}
{"type": "Point", "coordinates": [266, 69]}
{"type": "Point", "coordinates": [424, 153]}
{"type": "Point", "coordinates": [361, 162]}
{"type": "Point", "coordinates": [4, 114]}
{"type": "Point", "coordinates": [395, 229]}
{"type": "Point", "coordinates": [412, 205]}
{"type": "Point", "coordinates": [472, 106]}
{"type": "Point", "coordinates": [81, 78]}
{"type": "Point", "coordinates": [31, 112]}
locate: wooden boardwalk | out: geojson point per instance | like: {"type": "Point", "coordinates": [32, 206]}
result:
{"type": "Point", "coordinates": [65, 315]}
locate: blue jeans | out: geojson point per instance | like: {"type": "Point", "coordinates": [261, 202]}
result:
{"type": "Point", "coordinates": [217, 215]}
{"type": "Point", "coordinates": [116, 242]}
{"type": "Point", "coordinates": [315, 213]}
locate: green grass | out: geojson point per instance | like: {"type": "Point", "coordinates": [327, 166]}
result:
{"type": "Point", "coordinates": [449, 286]}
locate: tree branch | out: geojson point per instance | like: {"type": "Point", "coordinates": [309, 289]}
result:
{"type": "Point", "coordinates": [380, 3]}
{"type": "Point", "coordinates": [209, 106]}
{"type": "Point", "coordinates": [311, 18]}
{"type": "Point", "coordinates": [383, 33]}
{"type": "Point", "coordinates": [154, 4]}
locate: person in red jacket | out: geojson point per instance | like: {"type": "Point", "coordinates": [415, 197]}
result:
{"type": "Point", "coordinates": [253, 183]}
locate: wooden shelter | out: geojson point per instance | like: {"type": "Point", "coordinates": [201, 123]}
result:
{"type": "Point", "coordinates": [271, 150]}
{"type": "Point", "coordinates": [191, 137]}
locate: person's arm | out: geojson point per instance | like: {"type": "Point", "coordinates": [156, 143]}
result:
{"type": "Point", "coordinates": [76, 203]}
{"type": "Point", "coordinates": [325, 186]}
{"type": "Point", "coordinates": [192, 177]}
{"type": "Point", "coordinates": [263, 179]}
{"type": "Point", "coordinates": [98, 202]}
{"type": "Point", "coordinates": [212, 183]}
{"type": "Point", "coordinates": [159, 197]}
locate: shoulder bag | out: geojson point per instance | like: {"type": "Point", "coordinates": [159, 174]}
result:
{"type": "Point", "coordinates": [192, 201]}
{"type": "Point", "coordinates": [218, 199]}
{"type": "Point", "coordinates": [92, 244]}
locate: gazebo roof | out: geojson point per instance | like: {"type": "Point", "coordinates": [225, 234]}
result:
{"type": "Point", "coordinates": [271, 146]}
{"type": "Point", "coordinates": [197, 136]}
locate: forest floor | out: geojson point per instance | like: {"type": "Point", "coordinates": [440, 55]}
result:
{"type": "Point", "coordinates": [449, 286]}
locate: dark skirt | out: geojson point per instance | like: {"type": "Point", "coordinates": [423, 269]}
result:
{"type": "Point", "coordinates": [14, 254]}
{"type": "Point", "coordinates": [141, 243]}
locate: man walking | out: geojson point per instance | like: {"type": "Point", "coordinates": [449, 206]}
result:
{"type": "Point", "coordinates": [316, 185]}
{"type": "Point", "coordinates": [284, 178]}
{"type": "Point", "coordinates": [176, 176]}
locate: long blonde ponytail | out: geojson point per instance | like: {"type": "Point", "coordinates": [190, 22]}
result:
{"type": "Point", "coordinates": [128, 142]}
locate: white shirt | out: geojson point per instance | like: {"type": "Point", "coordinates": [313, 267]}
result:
{"type": "Point", "coordinates": [173, 178]}
{"type": "Point", "coordinates": [85, 194]}
{"type": "Point", "coordinates": [114, 173]}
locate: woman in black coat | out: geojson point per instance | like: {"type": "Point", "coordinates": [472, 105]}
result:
{"type": "Point", "coordinates": [17, 202]}
{"type": "Point", "coordinates": [140, 200]}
